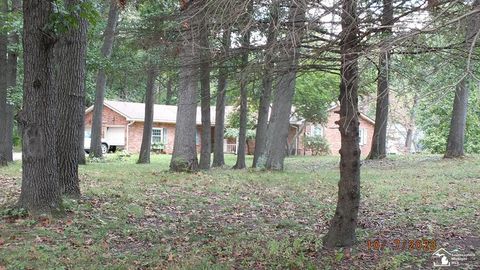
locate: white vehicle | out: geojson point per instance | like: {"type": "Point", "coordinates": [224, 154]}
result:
{"type": "Point", "coordinates": [88, 139]}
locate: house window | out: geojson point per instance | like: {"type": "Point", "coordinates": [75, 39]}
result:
{"type": "Point", "coordinates": [362, 134]}
{"type": "Point", "coordinates": [158, 136]}
{"type": "Point", "coordinates": [197, 137]}
{"type": "Point", "coordinates": [315, 130]}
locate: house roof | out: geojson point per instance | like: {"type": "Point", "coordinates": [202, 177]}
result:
{"type": "Point", "coordinates": [362, 115]}
{"type": "Point", "coordinates": [161, 113]}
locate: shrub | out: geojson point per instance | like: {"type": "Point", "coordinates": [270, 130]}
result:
{"type": "Point", "coordinates": [318, 145]}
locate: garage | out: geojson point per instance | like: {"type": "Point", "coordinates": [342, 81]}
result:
{"type": "Point", "coordinates": [115, 136]}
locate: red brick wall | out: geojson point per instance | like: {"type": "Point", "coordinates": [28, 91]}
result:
{"type": "Point", "coordinates": [135, 134]}
{"type": "Point", "coordinates": [110, 118]}
{"type": "Point", "coordinates": [332, 134]}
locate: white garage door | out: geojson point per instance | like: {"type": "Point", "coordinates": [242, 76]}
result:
{"type": "Point", "coordinates": [115, 135]}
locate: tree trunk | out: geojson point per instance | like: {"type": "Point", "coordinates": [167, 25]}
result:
{"type": "Point", "coordinates": [81, 142]}
{"type": "Point", "coordinates": [295, 137]}
{"type": "Point", "coordinates": [456, 136]}
{"type": "Point", "coordinates": [146, 147]}
{"type": "Point", "coordinates": [379, 140]}
{"type": "Point", "coordinates": [343, 224]}
{"type": "Point", "coordinates": [169, 94]}
{"type": "Point", "coordinates": [242, 133]}
{"type": "Point", "coordinates": [267, 81]}
{"type": "Point", "coordinates": [71, 49]}
{"type": "Point", "coordinates": [184, 157]}
{"type": "Point", "coordinates": [5, 148]}
{"type": "Point", "coordinates": [411, 125]}
{"type": "Point", "coordinates": [206, 138]}
{"type": "Point", "coordinates": [106, 51]}
{"type": "Point", "coordinates": [11, 84]}
{"type": "Point", "coordinates": [40, 192]}
{"type": "Point", "coordinates": [218, 156]}
{"type": "Point", "coordinates": [277, 138]}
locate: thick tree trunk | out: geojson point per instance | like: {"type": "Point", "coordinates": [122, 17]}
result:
{"type": "Point", "coordinates": [456, 136]}
{"type": "Point", "coordinates": [40, 192]}
{"type": "Point", "coordinates": [242, 133]}
{"type": "Point", "coordinates": [169, 94]}
{"type": "Point", "coordinates": [106, 51]}
{"type": "Point", "coordinates": [206, 138]}
{"type": "Point", "coordinates": [5, 148]}
{"type": "Point", "coordinates": [277, 138]}
{"type": "Point", "coordinates": [343, 224]}
{"type": "Point", "coordinates": [184, 157]}
{"type": "Point", "coordinates": [71, 50]}
{"type": "Point", "coordinates": [267, 83]}
{"type": "Point", "coordinates": [218, 155]}
{"type": "Point", "coordinates": [146, 147]}
{"type": "Point", "coordinates": [379, 140]}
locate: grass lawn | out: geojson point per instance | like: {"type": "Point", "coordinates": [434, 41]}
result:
{"type": "Point", "coordinates": [142, 216]}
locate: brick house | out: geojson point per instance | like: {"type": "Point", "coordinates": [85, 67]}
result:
{"type": "Point", "coordinates": [332, 135]}
{"type": "Point", "coordinates": [123, 127]}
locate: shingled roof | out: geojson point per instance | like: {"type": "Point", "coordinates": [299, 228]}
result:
{"type": "Point", "coordinates": [133, 111]}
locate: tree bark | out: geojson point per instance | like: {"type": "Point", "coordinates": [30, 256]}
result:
{"type": "Point", "coordinates": [71, 50]}
{"type": "Point", "coordinates": [277, 138]}
{"type": "Point", "coordinates": [411, 125]}
{"type": "Point", "coordinates": [218, 155]}
{"type": "Point", "coordinates": [184, 157]}
{"type": "Point", "coordinates": [242, 133]}
{"type": "Point", "coordinates": [40, 192]}
{"type": "Point", "coordinates": [5, 145]}
{"type": "Point", "coordinates": [379, 139]}
{"type": "Point", "coordinates": [343, 224]}
{"type": "Point", "coordinates": [206, 138]}
{"type": "Point", "coordinates": [267, 83]}
{"type": "Point", "coordinates": [456, 135]}
{"type": "Point", "coordinates": [169, 94]}
{"type": "Point", "coordinates": [101, 81]}
{"type": "Point", "coordinates": [295, 137]}
{"type": "Point", "coordinates": [145, 149]}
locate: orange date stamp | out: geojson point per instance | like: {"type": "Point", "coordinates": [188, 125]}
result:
{"type": "Point", "coordinates": [426, 245]}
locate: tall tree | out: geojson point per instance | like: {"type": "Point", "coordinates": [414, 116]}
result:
{"type": "Point", "coordinates": [206, 138]}
{"type": "Point", "coordinates": [40, 192]}
{"type": "Point", "coordinates": [267, 83]}
{"type": "Point", "coordinates": [169, 90]}
{"type": "Point", "coordinates": [106, 51]}
{"type": "Point", "coordinates": [184, 157]}
{"type": "Point", "coordinates": [242, 132]}
{"type": "Point", "coordinates": [5, 110]}
{"type": "Point", "coordinates": [343, 224]}
{"type": "Point", "coordinates": [219, 132]}
{"type": "Point", "coordinates": [456, 136]}
{"type": "Point", "coordinates": [379, 139]}
{"type": "Point", "coordinates": [71, 50]}
{"type": "Point", "coordinates": [146, 147]}
{"type": "Point", "coordinates": [279, 125]}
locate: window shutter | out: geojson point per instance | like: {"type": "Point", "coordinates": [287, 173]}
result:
{"type": "Point", "coordinates": [365, 136]}
{"type": "Point", "coordinates": [165, 138]}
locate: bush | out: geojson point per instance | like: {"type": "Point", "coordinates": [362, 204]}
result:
{"type": "Point", "coordinates": [318, 145]}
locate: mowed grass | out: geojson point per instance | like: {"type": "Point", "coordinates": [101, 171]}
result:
{"type": "Point", "coordinates": [145, 217]}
